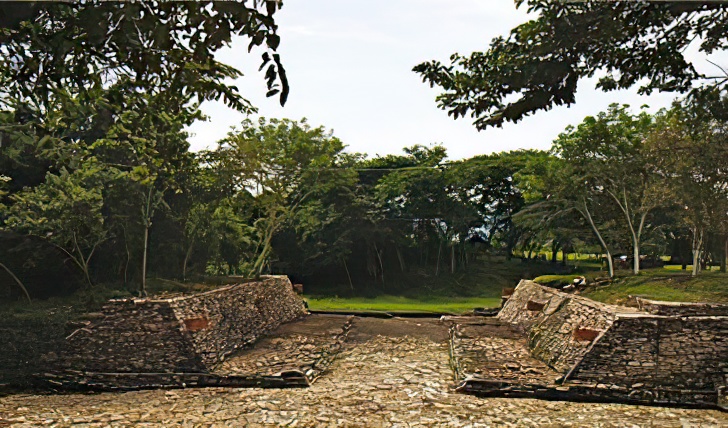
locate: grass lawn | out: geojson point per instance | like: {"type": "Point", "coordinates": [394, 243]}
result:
{"type": "Point", "coordinates": [455, 305]}
{"type": "Point", "coordinates": [669, 283]}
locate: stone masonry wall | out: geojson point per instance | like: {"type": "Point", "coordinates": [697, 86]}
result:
{"type": "Point", "coordinates": [131, 336]}
{"type": "Point", "coordinates": [529, 304]}
{"type": "Point", "coordinates": [672, 353]}
{"type": "Point", "coordinates": [645, 351]}
{"type": "Point", "coordinates": [188, 334]}
{"type": "Point", "coordinates": [562, 338]}
{"type": "Point", "coordinates": [561, 327]}
{"type": "Point", "coordinates": [223, 320]}
{"type": "Point", "coordinates": [657, 307]}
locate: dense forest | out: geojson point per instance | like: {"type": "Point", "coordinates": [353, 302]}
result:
{"type": "Point", "coordinates": [98, 185]}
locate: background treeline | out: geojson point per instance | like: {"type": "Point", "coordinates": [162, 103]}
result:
{"type": "Point", "coordinates": [280, 196]}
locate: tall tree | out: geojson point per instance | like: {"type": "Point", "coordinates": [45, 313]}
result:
{"type": "Point", "coordinates": [494, 186]}
{"type": "Point", "coordinates": [571, 200]}
{"type": "Point", "coordinates": [612, 152]}
{"type": "Point", "coordinates": [284, 164]}
{"type": "Point", "coordinates": [3, 183]}
{"type": "Point", "coordinates": [692, 148]}
{"type": "Point", "coordinates": [78, 45]}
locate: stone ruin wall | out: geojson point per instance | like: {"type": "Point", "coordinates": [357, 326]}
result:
{"type": "Point", "coordinates": [518, 311]}
{"type": "Point", "coordinates": [188, 334]}
{"type": "Point", "coordinates": [221, 321]}
{"type": "Point", "coordinates": [130, 336]}
{"type": "Point", "coordinates": [625, 352]}
{"type": "Point", "coordinates": [560, 326]}
{"type": "Point", "coordinates": [647, 351]}
{"type": "Point", "coordinates": [656, 307]}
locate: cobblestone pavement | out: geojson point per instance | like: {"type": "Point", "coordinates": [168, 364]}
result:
{"type": "Point", "coordinates": [391, 373]}
{"type": "Point", "coordinates": [499, 353]}
{"type": "Point", "coordinates": [305, 346]}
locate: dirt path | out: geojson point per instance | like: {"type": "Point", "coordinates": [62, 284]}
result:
{"type": "Point", "coordinates": [392, 373]}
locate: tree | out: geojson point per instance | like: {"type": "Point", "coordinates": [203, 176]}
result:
{"type": "Point", "coordinates": [691, 145]}
{"type": "Point", "coordinates": [81, 45]}
{"type": "Point", "coordinates": [66, 211]}
{"type": "Point", "coordinates": [116, 83]}
{"type": "Point", "coordinates": [494, 186]}
{"type": "Point", "coordinates": [539, 65]}
{"type": "Point", "coordinates": [570, 200]}
{"type": "Point", "coordinates": [3, 182]}
{"type": "Point", "coordinates": [614, 159]}
{"type": "Point", "coordinates": [284, 164]}
{"type": "Point", "coordinates": [423, 200]}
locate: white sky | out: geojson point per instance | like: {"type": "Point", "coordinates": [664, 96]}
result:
{"type": "Point", "coordinates": [349, 66]}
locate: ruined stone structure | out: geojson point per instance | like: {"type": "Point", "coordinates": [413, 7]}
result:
{"type": "Point", "coordinates": [177, 340]}
{"type": "Point", "coordinates": [660, 353]}
{"type": "Point", "coordinates": [561, 327]}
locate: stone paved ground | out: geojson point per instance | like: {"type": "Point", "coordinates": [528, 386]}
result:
{"type": "Point", "coordinates": [304, 346]}
{"type": "Point", "coordinates": [392, 373]}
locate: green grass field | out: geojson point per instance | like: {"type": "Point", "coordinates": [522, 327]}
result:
{"type": "Point", "coordinates": [453, 305]}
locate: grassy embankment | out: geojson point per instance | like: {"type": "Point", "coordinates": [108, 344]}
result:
{"type": "Point", "coordinates": [669, 283]}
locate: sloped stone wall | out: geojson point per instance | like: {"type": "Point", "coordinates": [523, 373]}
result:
{"type": "Point", "coordinates": [564, 336]}
{"type": "Point", "coordinates": [220, 321]}
{"type": "Point", "coordinates": [188, 334]}
{"type": "Point", "coordinates": [672, 353]}
{"type": "Point", "coordinates": [646, 351]}
{"type": "Point", "coordinates": [561, 327]}
{"type": "Point", "coordinates": [131, 336]}
{"type": "Point", "coordinates": [529, 304]}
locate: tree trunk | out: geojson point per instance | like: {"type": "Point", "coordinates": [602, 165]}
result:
{"type": "Point", "coordinates": [260, 261]}
{"type": "Point", "coordinates": [143, 290]}
{"type": "Point", "coordinates": [267, 238]}
{"type": "Point", "coordinates": [697, 246]}
{"type": "Point", "coordinates": [602, 242]}
{"type": "Point", "coordinates": [188, 254]}
{"type": "Point", "coordinates": [564, 257]}
{"type": "Point", "coordinates": [351, 284]}
{"type": "Point", "coordinates": [636, 234]}
{"type": "Point", "coordinates": [17, 281]}
{"type": "Point", "coordinates": [610, 264]}
{"type": "Point", "coordinates": [452, 259]}
{"type": "Point", "coordinates": [724, 259]}
{"type": "Point", "coordinates": [381, 265]}
{"type": "Point", "coordinates": [126, 265]}
{"type": "Point", "coordinates": [400, 258]}
{"type": "Point", "coordinates": [82, 261]}
{"type": "Point", "coordinates": [554, 251]}
{"type": "Point", "coordinates": [437, 266]}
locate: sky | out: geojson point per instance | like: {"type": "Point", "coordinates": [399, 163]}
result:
{"type": "Point", "coordinates": [349, 65]}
